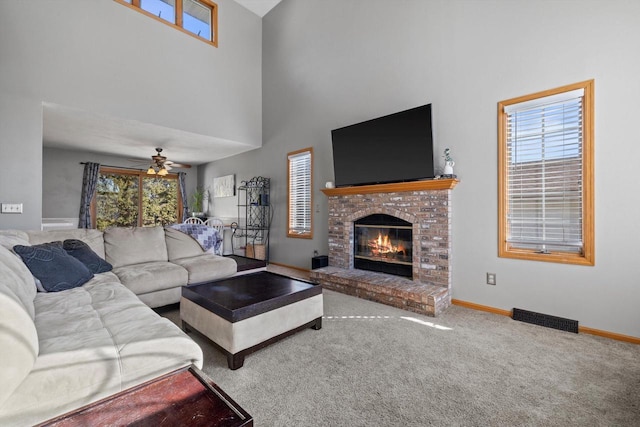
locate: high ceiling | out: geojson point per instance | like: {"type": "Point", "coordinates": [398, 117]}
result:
{"type": "Point", "coordinates": [72, 129]}
{"type": "Point", "coordinates": [259, 7]}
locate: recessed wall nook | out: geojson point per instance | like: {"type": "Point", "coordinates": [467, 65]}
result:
{"type": "Point", "coordinates": [416, 278]}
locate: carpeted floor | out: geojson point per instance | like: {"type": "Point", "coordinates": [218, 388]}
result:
{"type": "Point", "coordinates": [374, 365]}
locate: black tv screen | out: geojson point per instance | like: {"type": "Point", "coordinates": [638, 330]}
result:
{"type": "Point", "coordinates": [393, 148]}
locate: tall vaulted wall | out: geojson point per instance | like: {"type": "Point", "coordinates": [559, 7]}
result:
{"type": "Point", "coordinates": [104, 58]}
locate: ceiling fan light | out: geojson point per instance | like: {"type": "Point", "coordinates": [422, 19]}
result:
{"type": "Point", "coordinates": [163, 171]}
{"type": "Point", "coordinates": [151, 171]}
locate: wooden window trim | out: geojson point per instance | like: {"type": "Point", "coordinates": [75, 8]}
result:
{"type": "Point", "coordinates": [141, 175]}
{"type": "Point", "coordinates": [587, 257]}
{"type": "Point", "coordinates": [308, 235]}
{"type": "Point", "coordinates": [135, 5]}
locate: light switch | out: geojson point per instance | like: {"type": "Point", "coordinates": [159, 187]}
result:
{"type": "Point", "coordinates": [11, 208]}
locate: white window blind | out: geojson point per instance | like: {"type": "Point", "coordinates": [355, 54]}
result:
{"type": "Point", "coordinates": [196, 18]}
{"type": "Point", "coordinates": [544, 173]}
{"type": "Point", "coordinates": [300, 193]}
{"type": "Point", "coordinates": [197, 10]}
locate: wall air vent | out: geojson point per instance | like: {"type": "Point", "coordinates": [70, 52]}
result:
{"type": "Point", "coordinates": [545, 320]}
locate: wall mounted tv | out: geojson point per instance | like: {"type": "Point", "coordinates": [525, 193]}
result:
{"type": "Point", "coordinates": [393, 148]}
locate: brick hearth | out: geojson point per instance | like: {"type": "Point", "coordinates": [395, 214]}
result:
{"type": "Point", "coordinates": [425, 204]}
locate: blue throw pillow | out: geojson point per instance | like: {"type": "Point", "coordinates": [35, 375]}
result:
{"type": "Point", "coordinates": [56, 269]}
{"type": "Point", "coordinates": [83, 253]}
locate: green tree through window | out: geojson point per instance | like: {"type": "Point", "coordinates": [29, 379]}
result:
{"type": "Point", "coordinates": [130, 198]}
{"type": "Point", "coordinates": [159, 201]}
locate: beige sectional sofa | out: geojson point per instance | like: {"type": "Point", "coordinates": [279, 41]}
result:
{"type": "Point", "coordinates": [62, 350]}
{"type": "Point", "coordinates": [153, 262]}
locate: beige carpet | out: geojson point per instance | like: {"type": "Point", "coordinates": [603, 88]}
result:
{"type": "Point", "coordinates": [374, 365]}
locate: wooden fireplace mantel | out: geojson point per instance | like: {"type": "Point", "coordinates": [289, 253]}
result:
{"type": "Point", "coordinates": [431, 184]}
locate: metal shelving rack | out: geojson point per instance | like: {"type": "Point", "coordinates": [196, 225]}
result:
{"type": "Point", "coordinates": [254, 218]}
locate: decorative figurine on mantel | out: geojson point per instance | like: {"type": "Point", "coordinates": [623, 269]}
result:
{"type": "Point", "coordinates": [448, 165]}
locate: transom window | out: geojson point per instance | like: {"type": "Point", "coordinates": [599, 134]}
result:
{"type": "Point", "coordinates": [198, 18]}
{"type": "Point", "coordinates": [300, 216]}
{"type": "Point", "coordinates": [546, 175]}
{"type": "Point", "coordinates": [128, 198]}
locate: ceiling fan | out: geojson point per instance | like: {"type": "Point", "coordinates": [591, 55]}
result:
{"type": "Point", "coordinates": [161, 166]}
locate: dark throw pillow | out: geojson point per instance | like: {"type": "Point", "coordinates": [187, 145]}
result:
{"type": "Point", "coordinates": [83, 253]}
{"type": "Point", "coordinates": [56, 269]}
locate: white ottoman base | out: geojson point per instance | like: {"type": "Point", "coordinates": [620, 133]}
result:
{"type": "Point", "coordinates": [243, 337]}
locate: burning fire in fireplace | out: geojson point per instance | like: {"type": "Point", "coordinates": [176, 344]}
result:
{"type": "Point", "coordinates": [383, 245]}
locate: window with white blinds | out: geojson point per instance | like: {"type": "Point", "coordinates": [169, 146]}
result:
{"type": "Point", "coordinates": [300, 201]}
{"type": "Point", "coordinates": [197, 17]}
{"type": "Point", "coordinates": [546, 173]}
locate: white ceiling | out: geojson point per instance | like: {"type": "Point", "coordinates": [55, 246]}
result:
{"type": "Point", "coordinates": [259, 7]}
{"type": "Point", "coordinates": [71, 129]}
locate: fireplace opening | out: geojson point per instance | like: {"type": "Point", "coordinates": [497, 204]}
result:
{"type": "Point", "coordinates": [383, 243]}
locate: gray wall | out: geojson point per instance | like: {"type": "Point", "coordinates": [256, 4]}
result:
{"type": "Point", "coordinates": [62, 179]}
{"type": "Point", "coordinates": [329, 63]}
{"type": "Point", "coordinates": [243, 166]}
{"type": "Point", "coordinates": [102, 57]}
{"type": "Point", "coordinates": [322, 64]}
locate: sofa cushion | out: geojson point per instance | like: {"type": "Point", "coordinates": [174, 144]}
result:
{"type": "Point", "coordinates": [15, 275]}
{"type": "Point", "coordinates": [19, 343]}
{"type": "Point", "coordinates": [18, 336]}
{"type": "Point", "coordinates": [83, 253]}
{"type": "Point", "coordinates": [161, 298]}
{"type": "Point", "coordinates": [208, 267]}
{"type": "Point", "coordinates": [11, 238]}
{"type": "Point", "coordinates": [91, 237]}
{"type": "Point", "coordinates": [103, 278]}
{"type": "Point", "coordinates": [134, 245]}
{"type": "Point", "coordinates": [151, 276]}
{"type": "Point", "coordinates": [181, 245]}
{"type": "Point", "coordinates": [56, 269]}
{"type": "Point", "coordinates": [125, 344]}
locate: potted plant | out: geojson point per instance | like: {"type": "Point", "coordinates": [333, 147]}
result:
{"type": "Point", "coordinates": [197, 200]}
{"type": "Point", "coordinates": [448, 162]}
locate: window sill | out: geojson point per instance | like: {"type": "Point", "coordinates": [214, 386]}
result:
{"type": "Point", "coordinates": [557, 257]}
{"type": "Point", "coordinates": [300, 236]}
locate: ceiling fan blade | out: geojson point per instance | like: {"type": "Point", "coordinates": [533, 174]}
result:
{"type": "Point", "coordinates": [177, 165]}
{"type": "Point", "coordinates": [158, 161]}
{"type": "Point", "coordinates": [138, 161]}
{"type": "Point", "coordinates": [139, 164]}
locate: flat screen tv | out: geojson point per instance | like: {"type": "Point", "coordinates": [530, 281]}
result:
{"type": "Point", "coordinates": [393, 148]}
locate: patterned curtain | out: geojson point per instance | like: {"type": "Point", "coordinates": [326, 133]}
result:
{"type": "Point", "coordinates": [89, 181]}
{"type": "Point", "coordinates": [182, 176]}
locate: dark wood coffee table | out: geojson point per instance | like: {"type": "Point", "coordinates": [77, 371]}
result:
{"type": "Point", "coordinates": [185, 397]}
{"type": "Point", "coordinates": [248, 265]}
{"type": "Point", "coordinates": [244, 313]}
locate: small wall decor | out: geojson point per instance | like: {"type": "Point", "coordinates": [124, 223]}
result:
{"type": "Point", "coordinates": [224, 186]}
{"type": "Point", "coordinates": [448, 164]}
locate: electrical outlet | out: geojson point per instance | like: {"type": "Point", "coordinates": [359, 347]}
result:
{"type": "Point", "coordinates": [12, 208]}
{"type": "Point", "coordinates": [491, 279]}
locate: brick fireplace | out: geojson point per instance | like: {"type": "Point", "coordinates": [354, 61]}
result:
{"type": "Point", "coordinates": [426, 205]}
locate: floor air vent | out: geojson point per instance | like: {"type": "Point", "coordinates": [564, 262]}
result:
{"type": "Point", "coordinates": [545, 320]}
